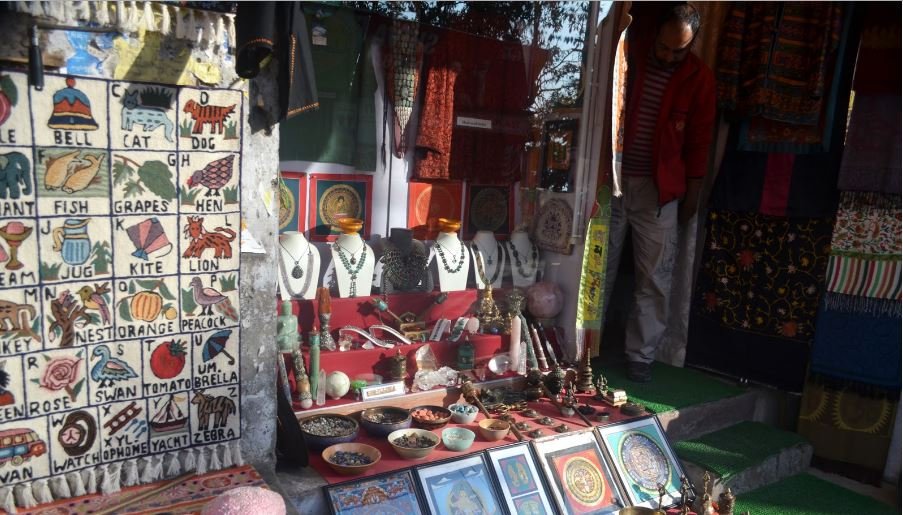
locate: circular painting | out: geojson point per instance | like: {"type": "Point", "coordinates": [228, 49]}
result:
{"type": "Point", "coordinates": [553, 225]}
{"type": "Point", "coordinates": [433, 203]}
{"type": "Point", "coordinates": [584, 481]}
{"type": "Point", "coordinates": [339, 201]}
{"type": "Point", "coordinates": [644, 461]}
{"type": "Point", "coordinates": [489, 209]}
{"type": "Point", "coordinates": [287, 206]}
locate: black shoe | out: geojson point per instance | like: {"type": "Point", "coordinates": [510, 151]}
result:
{"type": "Point", "coordinates": [639, 372]}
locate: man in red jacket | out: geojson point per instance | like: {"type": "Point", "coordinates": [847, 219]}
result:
{"type": "Point", "coordinates": [668, 132]}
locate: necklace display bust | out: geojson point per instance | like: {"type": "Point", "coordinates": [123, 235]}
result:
{"type": "Point", "coordinates": [352, 262]}
{"type": "Point", "coordinates": [299, 266]}
{"type": "Point", "coordinates": [524, 259]}
{"type": "Point", "coordinates": [493, 260]}
{"type": "Point", "coordinates": [452, 257]}
{"type": "Point", "coordinates": [403, 265]}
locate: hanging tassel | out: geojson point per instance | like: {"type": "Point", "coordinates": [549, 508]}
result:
{"type": "Point", "coordinates": [147, 471]}
{"type": "Point", "coordinates": [191, 31]}
{"type": "Point", "coordinates": [130, 473]}
{"type": "Point", "coordinates": [24, 496]}
{"type": "Point", "coordinates": [24, 7]}
{"type": "Point", "coordinates": [106, 482]}
{"type": "Point", "coordinates": [175, 466]}
{"type": "Point", "coordinates": [133, 17]}
{"type": "Point", "coordinates": [76, 485]}
{"type": "Point", "coordinates": [230, 29]}
{"type": "Point", "coordinates": [209, 30]}
{"type": "Point", "coordinates": [158, 467]}
{"type": "Point", "coordinates": [90, 477]}
{"type": "Point", "coordinates": [115, 473]}
{"type": "Point", "coordinates": [7, 502]}
{"type": "Point", "coordinates": [102, 13]}
{"type": "Point", "coordinates": [220, 34]}
{"type": "Point", "coordinates": [122, 17]}
{"type": "Point", "coordinates": [41, 491]}
{"type": "Point", "coordinates": [60, 488]}
{"type": "Point", "coordinates": [227, 456]}
{"type": "Point", "coordinates": [180, 22]}
{"type": "Point", "coordinates": [84, 10]}
{"type": "Point", "coordinates": [236, 454]}
{"type": "Point", "coordinates": [202, 462]}
{"type": "Point", "coordinates": [69, 10]}
{"type": "Point", "coordinates": [147, 20]}
{"type": "Point", "coordinates": [57, 11]}
{"type": "Point", "coordinates": [190, 463]}
{"type": "Point", "coordinates": [214, 458]}
{"type": "Point", "coordinates": [165, 21]}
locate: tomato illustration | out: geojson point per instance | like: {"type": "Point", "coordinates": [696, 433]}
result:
{"type": "Point", "coordinates": [168, 359]}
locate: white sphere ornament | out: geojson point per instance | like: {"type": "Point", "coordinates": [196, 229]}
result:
{"type": "Point", "coordinates": [337, 385]}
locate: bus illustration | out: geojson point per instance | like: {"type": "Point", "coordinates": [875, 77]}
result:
{"type": "Point", "coordinates": [20, 445]}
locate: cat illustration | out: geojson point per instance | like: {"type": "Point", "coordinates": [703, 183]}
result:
{"type": "Point", "coordinates": [151, 118]}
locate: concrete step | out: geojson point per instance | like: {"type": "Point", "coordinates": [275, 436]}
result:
{"type": "Point", "coordinates": [700, 419]}
{"type": "Point", "coordinates": [744, 457]}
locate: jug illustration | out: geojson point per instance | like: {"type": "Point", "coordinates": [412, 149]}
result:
{"type": "Point", "coordinates": [71, 240]}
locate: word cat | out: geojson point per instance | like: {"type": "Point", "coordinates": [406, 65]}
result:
{"type": "Point", "coordinates": [209, 114]}
{"type": "Point", "coordinates": [202, 239]}
{"type": "Point", "coordinates": [149, 117]}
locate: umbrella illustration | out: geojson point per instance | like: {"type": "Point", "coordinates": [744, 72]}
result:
{"type": "Point", "coordinates": [216, 344]}
{"type": "Point", "coordinates": [148, 237]}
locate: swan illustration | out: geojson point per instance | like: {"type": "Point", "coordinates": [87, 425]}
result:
{"type": "Point", "coordinates": [109, 369]}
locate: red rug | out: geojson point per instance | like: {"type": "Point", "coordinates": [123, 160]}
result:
{"type": "Point", "coordinates": [179, 496]}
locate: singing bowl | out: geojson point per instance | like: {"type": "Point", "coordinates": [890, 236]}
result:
{"type": "Point", "coordinates": [449, 225]}
{"type": "Point", "coordinates": [639, 510]}
{"type": "Point", "coordinates": [494, 430]}
{"type": "Point", "coordinates": [382, 420]}
{"type": "Point", "coordinates": [350, 225]}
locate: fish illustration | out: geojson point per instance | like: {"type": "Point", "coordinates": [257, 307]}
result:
{"type": "Point", "coordinates": [58, 170]}
{"type": "Point", "coordinates": [81, 178]}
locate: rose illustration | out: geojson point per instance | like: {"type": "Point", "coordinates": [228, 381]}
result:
{"type": "Point", "coordinates": [62, 374]}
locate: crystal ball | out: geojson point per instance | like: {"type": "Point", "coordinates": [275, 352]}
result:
{"type": "Point", "coordinates": [545, 300]}
{"type": "Point", "coordinates": [337, 385]}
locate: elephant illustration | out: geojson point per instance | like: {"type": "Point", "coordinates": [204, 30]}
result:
{"type": "Point", "coordinates": [14, 169]}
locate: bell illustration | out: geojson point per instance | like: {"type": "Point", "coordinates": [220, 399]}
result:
{"type": "Point", "coordinates": [71, 109]}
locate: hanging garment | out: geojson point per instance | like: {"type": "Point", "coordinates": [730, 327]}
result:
{"type": "Point", "coordinates": [277, 29]}
{"type": "Point", "coordinates": [775, 58]}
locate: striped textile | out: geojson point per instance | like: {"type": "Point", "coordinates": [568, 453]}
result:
{"type": "Point", "coordinates": [879, 279]}
{"type": "Point", "coordinates": [638, 152]}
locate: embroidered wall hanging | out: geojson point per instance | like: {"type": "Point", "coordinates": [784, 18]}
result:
{"type": "Point", "coordinates": [335, 196]}
{"type": "Point", "coordinates": [119, 264]}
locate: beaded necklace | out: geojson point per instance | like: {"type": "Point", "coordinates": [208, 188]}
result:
{"type": "Point", "coordinates": [482, 269]}
{"type": "Point", "coordinates": [534, 256]}
{"type": "Point", "coordinates": [405, 271]}
{"type": "Point", "coordinates": [348, 266]}
{"type": "Point", "coordinates": [447, 268]}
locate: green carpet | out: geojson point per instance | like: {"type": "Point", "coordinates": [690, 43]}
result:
{"type": "Point", "coordinates": [808, 495]}
{"type": "Point", "coordinates": [737, 448]}
{"type": "Point", "coordinates": [671, 387]}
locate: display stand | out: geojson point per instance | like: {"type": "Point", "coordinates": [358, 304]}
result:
{"type": "Point", "coordinates": [403, 267]}
{"type": "Point", "coordinates": [494, 258]}
{"type": "Point", "coordinates": [296, 254]}
{"type": "Point", "coordinates": [524, 259]}
{"type": "Point", "coordinates": [354, 272]}
{"type": "Point", "coordinates": [452, 261]}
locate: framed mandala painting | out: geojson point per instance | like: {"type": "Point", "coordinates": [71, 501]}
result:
{"type": "Point", "coordinates": [644, 460]}
{"type": "Point", "coordinates": [459, 486]}
{"type": "Point", "coordinates": [292, 201]}
{"type": "Point", "coordinates": [394, 492]}
{"type": "Point", "coordinates": [579, 475]}
{"type": "Point", "coordinates": [520, 480]}
{"type": "Point", "coordinates": [334, 196]}
{"type": "Point", "coordinates": [553, 223]}
{"type": "Point", "coordinates": [429, 201]}
{"type": "Point", "coordinates": [489, 208]}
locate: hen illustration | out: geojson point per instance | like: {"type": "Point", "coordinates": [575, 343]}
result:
{"type": "Point", "coordinates": [214, 176]}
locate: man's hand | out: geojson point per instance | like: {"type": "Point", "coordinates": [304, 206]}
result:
{"type": "Point", "coordinates": [690, 202]}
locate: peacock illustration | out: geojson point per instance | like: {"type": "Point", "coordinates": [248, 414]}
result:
{"type": "Point", "coordinates": [207, 297]}
{"type": "Point", "coordinates": [109, 369]}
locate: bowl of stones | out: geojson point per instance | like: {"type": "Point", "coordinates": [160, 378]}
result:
{"type": "Point", "coordinates": [413, 444]}
{"type": "Point", "coordinates": [321, 431]}
{"type": "Point", "coordinates": [383, 420]}
{"type": "Point", "coordinates": [351, 459]}
{"type": "Point", "coordinates": [463, 413]}
{"type": "Point", "coordinates": [430, 417]}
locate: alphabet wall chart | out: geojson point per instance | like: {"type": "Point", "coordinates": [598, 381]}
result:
{"type": "Point", "coordinates": [119, 269]}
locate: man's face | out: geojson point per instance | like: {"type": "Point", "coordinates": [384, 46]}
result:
{"type": "Point", "coordinates": [673, 43]}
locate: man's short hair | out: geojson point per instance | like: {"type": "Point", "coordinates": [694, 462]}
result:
{"type": "Point", "coordinates": [681, 12]}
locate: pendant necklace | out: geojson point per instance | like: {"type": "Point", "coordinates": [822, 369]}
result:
{"type": "Point", "coordinates": [297, 271]}
{"type": "Point", "coordinates": [447, 268]}
{"type": "Point", "coordinates": [533, 258]}
{"type": "Point", "coordinates": [340, 250]}
{"type": "Point", "coordinates": [285, 274]}
{"type": "Point", "coordinates": [353, 260]}
{"type": "Point", "coordinates": [498, 268]}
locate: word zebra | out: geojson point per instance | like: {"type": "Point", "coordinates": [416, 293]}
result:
{"type": "Point", "coordinates": [220, 407]}
{"type": "Point", "coordinates": [151, 118]}
{"type": "Point", "coordinates": [209, 114]}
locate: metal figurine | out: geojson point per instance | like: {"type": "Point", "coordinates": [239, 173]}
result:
{"type": "Point", "coordinates": [554, 381]}
{"type": "Point", "coordinates": [585, 374]}
{"type": "Point", "coordinates": [488, 312]}
{"type": "Point", "coordinates": [399, 366]}
{"type": "Point", "coordinates": [705, 502]}
{"type": "Point", "coordinates": [661, 495]}
{"type": "Point", "coordinates": [726, 502]}
{"type": "Point", "coordinates": [601, 388]}
{"type": "Point", "coordinates": [533, 385]}
{"type": "Point", "coordinates": [685, 489]}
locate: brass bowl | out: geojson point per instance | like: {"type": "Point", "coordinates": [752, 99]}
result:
{"type": "Point", "coordinates": [639, 510]}
{"type": "Point", "coordinates": [350, 225]}
{"type": "Point", "coordinates": [449, 225]}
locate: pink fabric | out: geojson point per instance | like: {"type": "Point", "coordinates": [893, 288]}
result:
{"type": "Point", "coordinates": [246, 499]}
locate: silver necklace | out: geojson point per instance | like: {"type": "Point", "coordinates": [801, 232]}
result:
{"type": "Point", "coordinates": [310, 273]}
{"type": "Point", "coordinates": [297, 271]}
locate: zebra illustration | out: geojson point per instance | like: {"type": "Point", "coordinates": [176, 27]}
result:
{"type": "Point", "coordinates": [215, 116]}
{"type": "Point", "coordinates": [220, 407]}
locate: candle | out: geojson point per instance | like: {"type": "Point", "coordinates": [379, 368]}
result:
{"type": "Point", "coordinates": [514, 344]}
{"type": "Point", "coordinates": [314, 363]}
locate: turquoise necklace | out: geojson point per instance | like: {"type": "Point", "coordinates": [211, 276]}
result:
{"type": "Point", "coordinates": [348, 266]}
